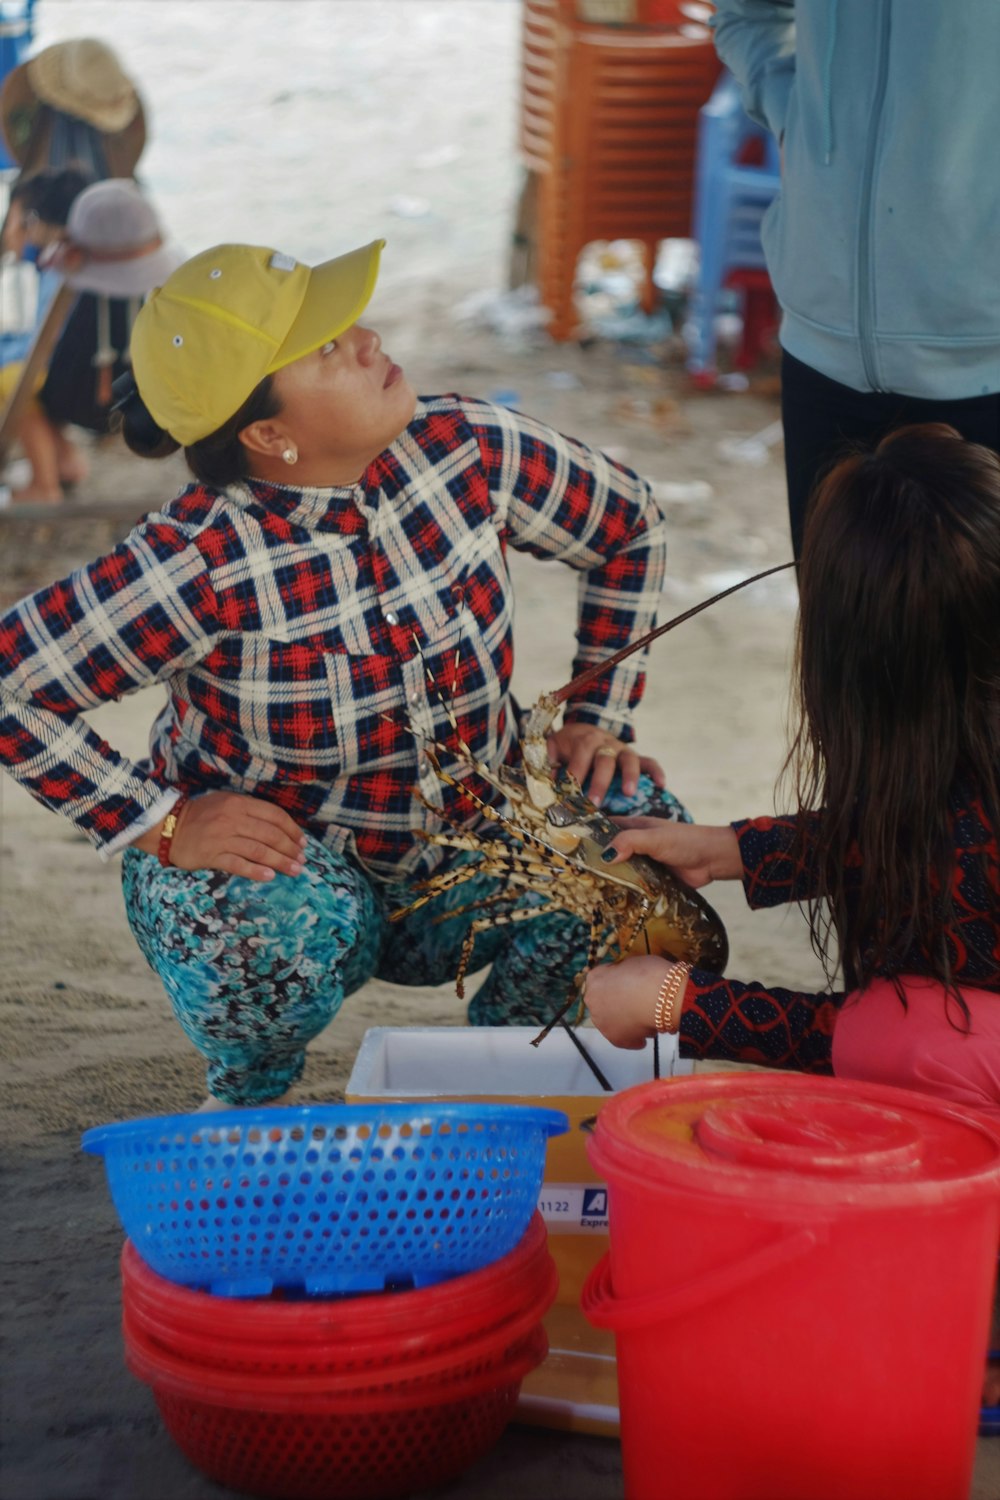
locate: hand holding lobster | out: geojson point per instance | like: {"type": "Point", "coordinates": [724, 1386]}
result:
{"type": "Point", "coordinates": [621, 999]}
{"type": "Point", "coordinates": [697, 852]}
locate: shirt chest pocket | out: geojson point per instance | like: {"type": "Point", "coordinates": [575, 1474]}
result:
{"type": "Point", "coordinates": [336, 711]}
{"type": "Point", "coordinates": [342, 659]}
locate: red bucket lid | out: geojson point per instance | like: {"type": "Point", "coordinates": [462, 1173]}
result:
{"type": "Point", "coordinates": [815, 1141]}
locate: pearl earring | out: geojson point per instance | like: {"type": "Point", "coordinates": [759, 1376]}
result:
{"type": "Point", "coordinates": [290, 456]}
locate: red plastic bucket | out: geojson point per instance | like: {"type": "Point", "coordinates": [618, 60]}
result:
{"type": "Point", "coordinates": [800, 1282]}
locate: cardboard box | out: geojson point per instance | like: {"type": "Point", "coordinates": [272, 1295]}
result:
{"type": "Point", "coordinates": [576, 1388]}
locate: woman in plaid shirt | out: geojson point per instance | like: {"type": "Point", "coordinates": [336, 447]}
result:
{"type": "Point", "coordinates": [334, 573]}
{"type": "Point", "coordinates": [899, 685]}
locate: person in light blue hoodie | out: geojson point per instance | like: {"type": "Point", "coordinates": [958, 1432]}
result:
{"type": "Point", "coordinates": [884, 243]}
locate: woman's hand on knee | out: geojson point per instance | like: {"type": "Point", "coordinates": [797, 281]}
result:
{"type": "Point", "coordinates": [235, 833]}
{"type": "Point", "coordinates": [593, 755]}
{"type": "Point", "coordinates": [697, 852]}
{"type": "Point", "coordinates": [621, 999]}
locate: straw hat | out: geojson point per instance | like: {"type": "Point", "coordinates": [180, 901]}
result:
{"type": "Point", "coordinates": [82, 78]}
{"type": "Point", "coordinates": [114, 245]}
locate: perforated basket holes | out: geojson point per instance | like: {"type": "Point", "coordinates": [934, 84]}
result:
{"type": "Point", "coordinates": [297, 1201]}
{"type": "Point", "coordinates": [367, 1457]}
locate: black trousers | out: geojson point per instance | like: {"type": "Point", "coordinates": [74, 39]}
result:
{"type": "Point", "coordinates": [824, 419]}
{"type": "Point", "coordinates": [71, 390]}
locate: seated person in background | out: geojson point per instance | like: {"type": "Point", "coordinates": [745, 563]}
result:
{"type": "Point", "coordinates": [36, 218]}
{"type": "Point", "coordinates": [112, 252]}
{"type": "Point", "coordinates": [73, 102]}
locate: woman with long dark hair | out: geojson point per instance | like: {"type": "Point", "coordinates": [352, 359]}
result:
{"type": "Point", "coordinates": [894, 847]}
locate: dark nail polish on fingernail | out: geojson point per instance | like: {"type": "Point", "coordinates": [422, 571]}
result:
{"type": "Point", "coordinates": [608, 855]}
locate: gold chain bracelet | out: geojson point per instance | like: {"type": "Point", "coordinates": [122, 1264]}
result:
{"type": "Point", "coordinates": [668, 1000]}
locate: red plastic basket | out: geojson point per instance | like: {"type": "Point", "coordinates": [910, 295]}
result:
{"type": "Point", "coordinates": [353, 1365]}
{"type": "Point", "coordinates": [418, 1321]}
{"type": "Point", "coordinates": [295, 1439]}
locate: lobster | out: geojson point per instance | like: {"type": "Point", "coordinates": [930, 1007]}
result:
{"type": "Point", "coordinates": [550, 842]}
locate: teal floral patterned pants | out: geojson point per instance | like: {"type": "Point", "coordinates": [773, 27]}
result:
{"type": "Point", "coordinates": [255, 970]}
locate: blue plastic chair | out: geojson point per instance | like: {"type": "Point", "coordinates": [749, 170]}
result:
{"type": "Point", "coordinates": [16, 35]}
{"type": "Point", "coordinates": [730, 200]}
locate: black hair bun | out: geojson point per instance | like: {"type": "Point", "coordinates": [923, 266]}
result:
{"type": "Point", "coordinates": [141, 431]}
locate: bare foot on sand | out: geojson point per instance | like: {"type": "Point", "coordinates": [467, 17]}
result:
{"type": "Point", "coordinates": [31, 494]}
{"type": "Point", "coordinates": [73, 466]}
{"type": "Point", "coordinates": [212, 1103]}
{"type": "Point", "coordinates": [73, 474]}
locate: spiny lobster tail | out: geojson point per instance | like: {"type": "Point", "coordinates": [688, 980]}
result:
{"type": "Point", "coordinates": [590, 674]}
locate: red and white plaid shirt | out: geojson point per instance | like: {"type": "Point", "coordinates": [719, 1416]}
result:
{"type": "Point", "coordinates": [295, 631]}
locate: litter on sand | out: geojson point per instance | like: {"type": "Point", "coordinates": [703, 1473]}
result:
{"type": "Point", "coordinates": [750, 451]}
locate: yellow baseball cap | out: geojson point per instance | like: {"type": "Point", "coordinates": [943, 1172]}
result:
{"type": "Point", "coordinates": [230, 316]}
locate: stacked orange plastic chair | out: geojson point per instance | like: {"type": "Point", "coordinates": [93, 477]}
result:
{"type": "Point", "coordinates": [608, 134]}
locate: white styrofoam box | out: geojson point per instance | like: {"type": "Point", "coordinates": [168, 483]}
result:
{"type": "Point", "coordinates": [424, 1062]}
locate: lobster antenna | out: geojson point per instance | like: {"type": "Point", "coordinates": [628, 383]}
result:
{"type": "Point", "coordinates": [446, 702]}
{"type": "Point", "coordinates": [589, 674]}
{"type": "Point", "coordinates": [588, 1059]}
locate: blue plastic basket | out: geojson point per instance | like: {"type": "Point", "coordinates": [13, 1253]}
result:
{"type": "Point", "coordinates": [332, 1198]}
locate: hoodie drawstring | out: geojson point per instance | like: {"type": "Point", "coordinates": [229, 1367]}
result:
{"type": "Point", "coordinates": [831, 42]}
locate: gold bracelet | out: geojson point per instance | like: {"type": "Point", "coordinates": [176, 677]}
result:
{"type": "Point", "coordinates": [169, 829]}
{"type": "Point", "coordinates": [669, 998]}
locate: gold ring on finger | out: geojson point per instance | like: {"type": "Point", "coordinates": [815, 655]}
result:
{"type": "Point", "coordinates": [608, 750]}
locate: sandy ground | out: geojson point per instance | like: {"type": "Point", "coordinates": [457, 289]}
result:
{"type": "Point", "coordinates": [87, 1033]}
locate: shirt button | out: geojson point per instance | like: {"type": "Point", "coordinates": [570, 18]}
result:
{"type": "Point", "coordinates": [391, 618]}
{"type": "Point", "coordinates": [415, 696]}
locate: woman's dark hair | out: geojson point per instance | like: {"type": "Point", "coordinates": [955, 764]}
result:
{"type": "Point", "coordinates": [898, 687]}
{"type": "Point", "coordinates": [217, 460]}
{"type": "Point", "coordinates": [50, 193]}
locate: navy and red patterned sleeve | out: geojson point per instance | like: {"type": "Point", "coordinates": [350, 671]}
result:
{"type": "Point", "coordinates": [771, 876]}
{"type": "Point", "coordinates": [557, 498]}
{"type": "Point", "coordinates": [750, 1023]}
{"type": "Point", "coordinates": [128, 620]}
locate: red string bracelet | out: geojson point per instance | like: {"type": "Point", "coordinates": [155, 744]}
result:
{"type": "Point", "coordinates": [169, 829]}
